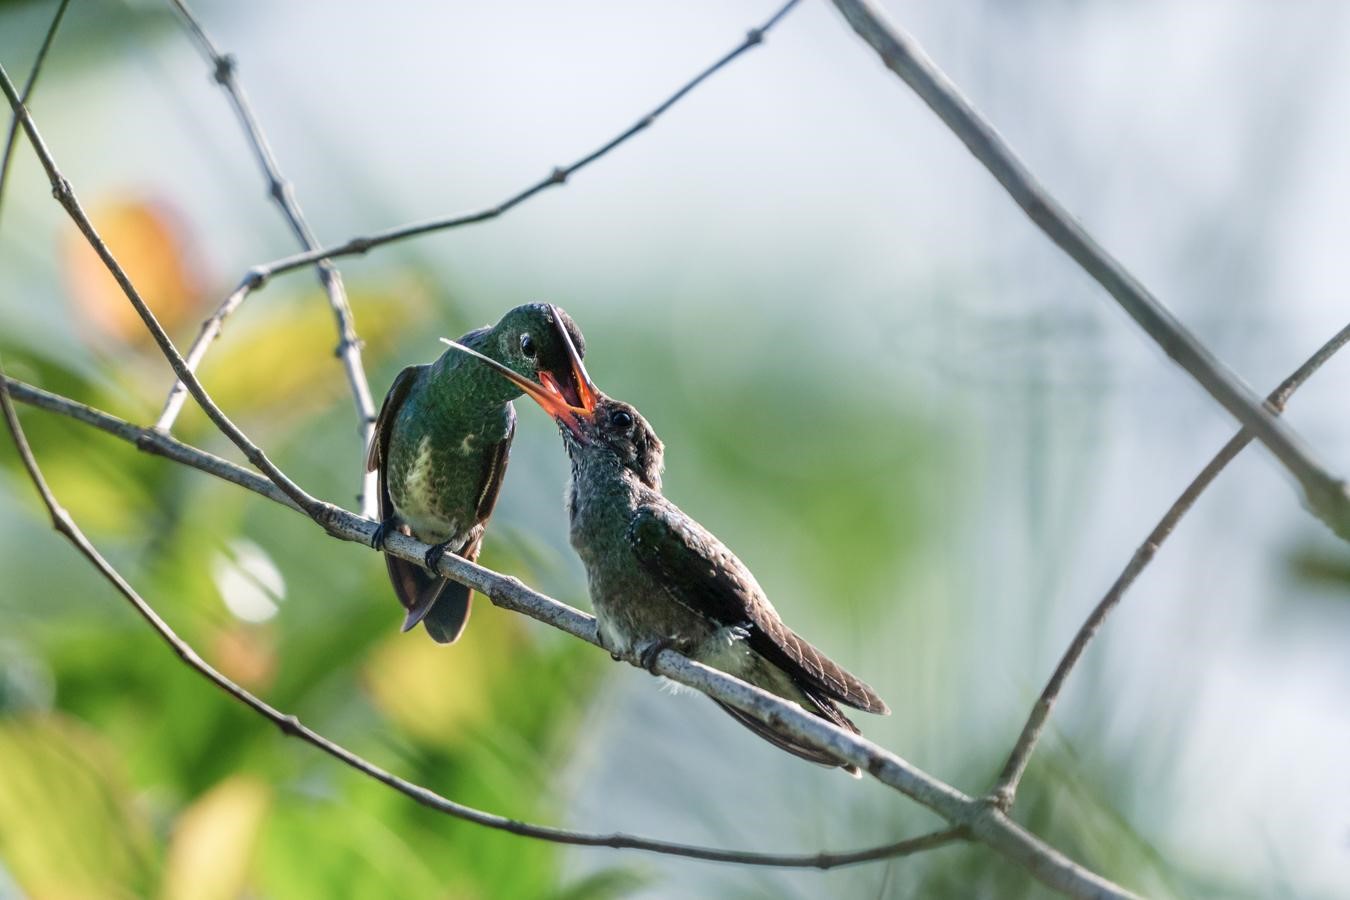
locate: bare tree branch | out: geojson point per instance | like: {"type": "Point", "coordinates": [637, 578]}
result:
{"type": "Point", "coordinates": [1004, 791]}
{"type": "Point", "coordinates": [41, 58]}
{"type": "Point", "coordinates": [283, 192]}
{"type": "Point", "coordinates": [1326, 494]}
{"type": "Point", "coordinates": [258, 275]}
{"type": "Point", "coordinates": [293, 727]}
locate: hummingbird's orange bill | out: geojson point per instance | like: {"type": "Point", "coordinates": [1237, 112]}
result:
{"type": "Point", "coordinates": [548, 396]}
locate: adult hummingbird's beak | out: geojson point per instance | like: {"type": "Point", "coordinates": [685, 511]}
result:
{"type": "Point", "coordinates": [548, 396]}
{"type": "Point", "coordinates": [576, 384]}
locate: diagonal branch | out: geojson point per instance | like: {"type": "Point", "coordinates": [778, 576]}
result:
{"type": "Point", "coordinates": [293, 727]}
{"type": "Point", "coordinates": [1004, 791]}
{"type": "Point", "coordinates": [258, 275]}
{"type": "Point", "coordinates": [970, 818]}
{"type": "Point", "coordinates": [1326, 494]}
{"type": "Point", "coordinates": [283, 193]}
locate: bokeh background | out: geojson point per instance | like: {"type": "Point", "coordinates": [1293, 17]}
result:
{"type": "Point", "coordinates": [933, 440]}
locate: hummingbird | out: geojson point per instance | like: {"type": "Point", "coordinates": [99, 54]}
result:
{"type": "Point", "coordinates": [441, 443]}
{"type": "Point", "coordinates": [659, 579]}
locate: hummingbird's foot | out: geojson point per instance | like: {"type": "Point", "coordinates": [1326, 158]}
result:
{"type": "Point", "coordinates": [648, 654]}
{"type": "Point", "coordinates": [433, 556]}
{"type": "Point", "coordinates": [377, 539]}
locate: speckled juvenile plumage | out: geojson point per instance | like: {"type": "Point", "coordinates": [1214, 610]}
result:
{"type": "Point", "coordinates": [441, 447]}
{"type": "Point", "coordinates": [659, 578]}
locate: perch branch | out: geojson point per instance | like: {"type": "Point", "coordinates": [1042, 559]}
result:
{"type": "Point", "coordinates": [970, 818]}
{"type": "Point", "coordinates": [1004, 791]}
{"type": "Point", "coordinates": [280, 189]}
{"type": "Point", "coordinates": [293, 727]}
{"type": "Point", "coordinates": [1326, 495]}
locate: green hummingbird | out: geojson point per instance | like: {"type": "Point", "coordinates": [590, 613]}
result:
{"type": "Point", "coordinates": [441, 444]}
{"type": "Point", "coordinates": [659, 579]}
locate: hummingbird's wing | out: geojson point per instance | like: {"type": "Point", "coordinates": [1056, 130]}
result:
{"type": "Point", "coordinates": [500, 455]}
{"type": "Point", "coordinates": [384, 425]}
{"type": "Point", "coordinates": [708, 576]}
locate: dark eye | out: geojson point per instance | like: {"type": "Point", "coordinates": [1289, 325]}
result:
{"type": "Point", "coordinates": [527, 345]}
{"type": "Point", "coordinates": [620, 420]}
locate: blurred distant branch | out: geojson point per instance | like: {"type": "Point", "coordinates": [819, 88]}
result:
{"type": "Point", "coordinates": [1326, 495]}
{"type": "Point", "coordinates": [28, 86]}
{"type": "Point", "coordinates": [258, 275]}
{"type": "Point", "coordinates": [281, 191]}
{"type": "Point", "coordinates": [1004, 791]}
{"type": "Point", "coordinates": [157, 442]}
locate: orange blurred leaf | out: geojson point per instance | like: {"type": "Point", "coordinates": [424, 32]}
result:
{"type": "Point", "coordinates": [154, 246]}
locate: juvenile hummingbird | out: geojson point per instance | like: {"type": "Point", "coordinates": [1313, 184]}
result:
{"type": "Point", "coordinates": [660, 579]}
{"type": "Point", "coordinates": [441, 444]}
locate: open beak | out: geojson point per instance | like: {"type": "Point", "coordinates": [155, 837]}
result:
{"type": "Point", "coordinates": [548, 396]}
{"type": "Point", "coordinates": [574, 384]}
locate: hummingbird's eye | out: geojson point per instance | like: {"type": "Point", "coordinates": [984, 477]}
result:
{"type": "Point", "coordinates": [620, 420]}
{"type": "Point", "coordinates": [527, 346]}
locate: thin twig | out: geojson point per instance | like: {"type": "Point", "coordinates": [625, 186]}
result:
{"type": "Point", "coordinates": [280, 189]}
{"type": "Point", "coordinates": [258, 275]}
{"type": "Point", "coordinates": [31, 83]}
{"type": "Point", "coordinates": [65, 195]}
{"type": "Point", "coordinates": [293, 727]}
{"type": "Point", "coordinates": [1326, 494]}
{"type": "Point", "coordinates": [1004, 791]}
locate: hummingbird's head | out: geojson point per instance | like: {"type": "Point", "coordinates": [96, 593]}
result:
{"type": "Point", "coordinates": [563, 387]}
{"type": "Point", "coordinates": [619, 430]}
{"type": "Point", "coordinates": [538, 341]}
{"type": "Point", "coordinates": [592, 424]}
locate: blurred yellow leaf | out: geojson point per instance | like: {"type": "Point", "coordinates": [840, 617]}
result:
{"type": "Point", "coordinates": [69, 826]}
{"type": "Point", "coordinates": [153, 245]}
{"type": "Point", "coordinates": [279, 356]}
{"type": "Point", "coordinates": [214, 840]}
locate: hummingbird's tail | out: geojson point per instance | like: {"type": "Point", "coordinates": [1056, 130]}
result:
{"type": "Point", "coordinates": [440, 604]}
{"type": "Point", "coordinates": [449, 613]}
{"type": "Point", "coordinates": [820, 706]}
